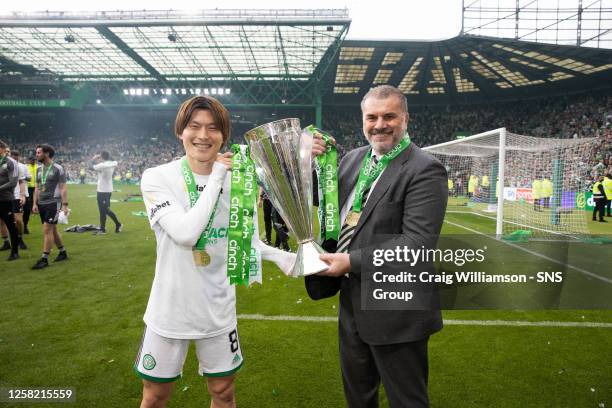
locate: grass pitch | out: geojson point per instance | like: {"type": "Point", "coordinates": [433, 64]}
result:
{"type": "Point", "coordinates": [78, 324]}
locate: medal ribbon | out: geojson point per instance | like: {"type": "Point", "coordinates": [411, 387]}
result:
{"type": "Point", "coordinates": [243, 195]}
{"type": "Point", "coordinates": [2, 160]}
{"type": "Point", "coordinates": [327, 174]}
{"type": "Point", "coordinates": [194, 194]}
{"type": "Point", "coordinates": [44, 174]}
{"type": "Point", "coordinates": [367, 174]}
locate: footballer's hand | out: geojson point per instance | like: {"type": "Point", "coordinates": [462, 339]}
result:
{"type": "Point", "coordinates": [225, 159]}
{"type": "Point", "coordinates": [318, 144]}
{"type": "Point", "coordinates": [35, 209]}
{"type": "Point", "coordinates": [339, 264]}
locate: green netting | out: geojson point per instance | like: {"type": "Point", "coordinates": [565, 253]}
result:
{"type": "Point", "coordinates": [597, 240]}
{"type": "Point", "coordinates": [518, 236]}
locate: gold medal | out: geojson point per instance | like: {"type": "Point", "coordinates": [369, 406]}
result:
{"type": "Point", "coordinates": [201, 257]}
{"type": "Point", "coordinates": [352, 218]}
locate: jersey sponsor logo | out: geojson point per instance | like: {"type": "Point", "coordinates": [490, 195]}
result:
{"type": "Point", "coordinates": [215, 234]}
{"type": "Point", "coordinates": [158, 207]}
{"type": "Point", "coordinates": [201, 188]}
{"type": "Point", "coordinates": [148, 362]}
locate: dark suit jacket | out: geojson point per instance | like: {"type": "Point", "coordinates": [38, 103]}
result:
{"type": "Point", "coordinates": [409, 201]}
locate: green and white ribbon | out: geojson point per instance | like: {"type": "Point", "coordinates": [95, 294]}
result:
{"type": "Point", "coordinates": [326, 166]}
{"type": "Point", "coordinates": [368, 173]}
{"type": "Point", "coordinates": [44, 174]}
{"type": "Point", "coordinates": [241, 257]}
{"type": "Point", "coordinates": [194, 194]}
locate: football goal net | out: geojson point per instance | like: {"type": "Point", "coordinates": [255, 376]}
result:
{"type": "Point", "coordinates": [531, 186]}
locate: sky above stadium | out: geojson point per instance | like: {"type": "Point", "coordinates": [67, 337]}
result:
{"type": "Point", "coordinates": [372, 20]}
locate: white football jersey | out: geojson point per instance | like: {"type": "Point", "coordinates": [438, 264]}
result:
{"type": "Point", "coordinates": [188, 301]}
{"type": "Point", "coordinates": [105, 175]}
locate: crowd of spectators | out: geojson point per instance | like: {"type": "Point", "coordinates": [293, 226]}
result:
{"type": "Point", "coordinates": [560, 117]}
{"type": "Point", "coordinates": [586, 116]}
{"type": "Point", "coordinates": [142, 139]}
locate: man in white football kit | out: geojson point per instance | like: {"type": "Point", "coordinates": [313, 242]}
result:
{"type": "Point", "coordinates": [105, 170]}
{"type": "Point", "coordinates": [190, 299]}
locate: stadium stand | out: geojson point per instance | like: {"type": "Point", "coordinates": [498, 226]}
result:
{"type": "Point", "coordinates": [146, 139]}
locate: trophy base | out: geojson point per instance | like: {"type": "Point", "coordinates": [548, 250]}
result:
{"type": "Point", "coordinates": [307, 261]}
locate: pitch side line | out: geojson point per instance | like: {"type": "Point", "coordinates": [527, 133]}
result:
{"type": "Point", "coordinates": [449, 322]}
{"type": "Point", "coordinates": [512, 222]}
{"type": "Point", "coordinates": [583, 271]}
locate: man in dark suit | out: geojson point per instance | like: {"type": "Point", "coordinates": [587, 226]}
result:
{"type": "Point", "coordinates": [406, 199]}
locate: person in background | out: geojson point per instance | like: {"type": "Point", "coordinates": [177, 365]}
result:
{"type": "Point", "coordinates": [21, 192]}
{"type": "Point", "coordinates": [599, 196]}
{"type": "Point", "coordinates": [27, 209]}
{"type": "Point", "coordinates": [104, 167]}
{"type": "Point", "coordinates": [607, 185]}
{"type": "Point", "coordinates": [9, 175]}
{"type": "Point", "coordinates": [50, 196]}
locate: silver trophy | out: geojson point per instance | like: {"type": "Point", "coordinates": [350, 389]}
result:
{"type": "Point", "coordinates": [281, 152]}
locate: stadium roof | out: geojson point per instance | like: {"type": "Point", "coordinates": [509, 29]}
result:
{"type": "Point", "coordinates": [466, 69]}
{"type": "Point", "coordinates": [171, 45]}
{"type": "Point", "coordinates": [292, 58]}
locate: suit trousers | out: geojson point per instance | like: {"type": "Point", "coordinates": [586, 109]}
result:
{"type": "Point", "coordinates": [402, 367]}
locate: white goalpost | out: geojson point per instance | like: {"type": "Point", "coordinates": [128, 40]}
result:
{"type": "Point", "coordinates": [531, 186]}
